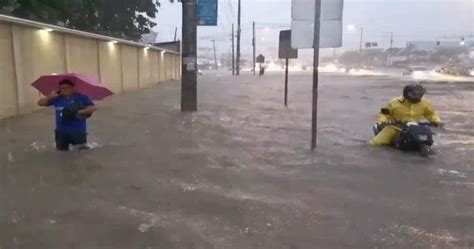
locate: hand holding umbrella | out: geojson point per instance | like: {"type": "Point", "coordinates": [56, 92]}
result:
{"type": "Point", "coordinates": [83, 84]}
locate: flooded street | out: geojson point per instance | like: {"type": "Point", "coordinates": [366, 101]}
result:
{"type": "Point", "coordinates": [239, 173]}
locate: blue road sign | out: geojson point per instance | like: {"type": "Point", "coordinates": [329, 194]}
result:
{"type": "Point", "coordinates": [207, 12]}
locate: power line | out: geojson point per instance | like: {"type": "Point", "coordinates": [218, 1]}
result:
{"type": "Point", "coordinates": [231, 6]}
{"type": "Point", "coordinates": [226, 15]}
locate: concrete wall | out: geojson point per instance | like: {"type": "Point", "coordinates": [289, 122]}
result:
{"type": "Point", "coordinates": [144, 67]}
{"type": "Point", "coordinates": [27, 52]}
{"type": "Point", "coordinates": [8, 89]}
{"type": "Point", "coordinates": [154, 69]}
{"type": "Point", "coordinates": [110, 65]}
{"type": "Point", "coordinates": [36, 52]}
{"type": "Point", "coordinates": [161, 67]}
{"type": "Point", "coordinates": [130, 67]}
{"type": "Point", "coordinates": [83, 56]}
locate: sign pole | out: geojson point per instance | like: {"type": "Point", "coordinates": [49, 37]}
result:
{"type": "Point", "coordinates": [239, 30]}
{"type": "Point", "coordinates": [286, 82]}
{"type": "Point", "coordinates": [285, 51]}
{"type": "Point", "coordinates": [233, 51]}
{"type": "Point", "coordinates": [205, 15]}
{"type": "Point", "coordinates": [317, 27]}
{"type": "Point", "coordinates": [253, 47]}
{"type": "Point", "coordinates": [189, 62]}
{"type": "Point", "coordinates": [215, 55]}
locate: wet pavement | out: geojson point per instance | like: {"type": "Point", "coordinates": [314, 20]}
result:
{"type": "Point", "coordinates": [239, 173]}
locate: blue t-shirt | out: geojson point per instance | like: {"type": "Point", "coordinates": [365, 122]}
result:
{"type": "Point", "coordinates": [77, 124]}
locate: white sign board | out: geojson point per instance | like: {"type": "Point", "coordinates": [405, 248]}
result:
{"type": "Point", "coordinates": [304, 9]}
{"type": "Point", "coordinates": [330, 34]}
{"type": "Point", "coordinates": [302, 25]}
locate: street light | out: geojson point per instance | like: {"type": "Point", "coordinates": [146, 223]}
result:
{"type": "Point", "coordinates": [350, 27]}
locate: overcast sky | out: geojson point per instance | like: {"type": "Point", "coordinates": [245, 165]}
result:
{"type": "Point", "coordinates": [408, 19]}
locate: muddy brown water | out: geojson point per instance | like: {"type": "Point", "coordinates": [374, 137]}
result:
{"type": "Point", "coordinates": [238, 173]}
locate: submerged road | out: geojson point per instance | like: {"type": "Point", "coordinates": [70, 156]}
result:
{"type": "Point", "coordinates": [239, 173]}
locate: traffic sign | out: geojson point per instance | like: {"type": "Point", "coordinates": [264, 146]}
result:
{"type": "Point", "coordinates": [207, 12]}
{"type": "Point", "coordinates": [302, 25]}
{"type": "Point", "coordinates": [285, 49]}
{"type": "Point", "coordinates": [316, 24]}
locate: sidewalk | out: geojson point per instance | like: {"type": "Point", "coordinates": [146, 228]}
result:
{"type": "Point", "coordinates": [238, 173]}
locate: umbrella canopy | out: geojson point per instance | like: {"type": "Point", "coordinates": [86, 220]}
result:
{"type": "Point", "coordinates": [85, 85]}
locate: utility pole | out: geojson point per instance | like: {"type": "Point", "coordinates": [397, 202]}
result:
{"type": "Point", "coordinates": [189, 53]}
{"type": "Point", "coordinates": [391, 39]}
{"type": "Point", "coordinates": [175, 33]}
{"type": "Point", "coordinates": [253, 44]}
{"type": "Point", "coordinates": [233, 51]}
{"type": "Point", "coordinates": [286, 81]}
{"type": "Point", "coordinates": [390, 50]}
{"type": "Point", "coordinates": [314, 118]}
{"type": "Point", "coordinates": [361, 39]}
{"type": "Point", "coordinates": [238, 37]}
{"type": "Point", "coordinates": [215, 56]}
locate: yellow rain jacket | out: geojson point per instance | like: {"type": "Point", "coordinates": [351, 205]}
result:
{"type": "Point", "coordinates": [403, 111]}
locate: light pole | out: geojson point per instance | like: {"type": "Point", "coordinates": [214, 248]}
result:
{"type": "Point", "coordinates": [351, 28]}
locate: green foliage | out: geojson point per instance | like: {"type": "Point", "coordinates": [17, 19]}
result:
{"type": "Point", "coordinates": [7, 6]}
{"type": "Point", "coordinates": [350, 58]}
{"type": "Point", "coordinates": [119, 18]}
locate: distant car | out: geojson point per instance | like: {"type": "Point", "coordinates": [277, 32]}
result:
{"type": "Point", "coordinates": [368, 68]}
{"type": "Point", "coordinates": [458, 70]}
{"type": "Point", "coordinates": [199, 72]}
{"type": "Point", "coordinates": [415, 70]}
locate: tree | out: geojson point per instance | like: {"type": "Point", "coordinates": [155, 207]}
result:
{"type": "Point", "coordinates": [127, 19]}
{"type": "Point", "coordinates": [327, 59]}
{"type": "Point", "coordinates": [7, 6]}
{"type": "Point", "coordinates": [393, 51]}
{"type": "Point", "coordinates": [350, 58]}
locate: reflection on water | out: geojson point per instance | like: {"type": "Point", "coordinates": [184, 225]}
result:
{"type": "Point", "coordinates": [435, 76]}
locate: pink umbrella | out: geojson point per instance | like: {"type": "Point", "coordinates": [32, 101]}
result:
{"type": "Point", "coordinates": [85, 85]}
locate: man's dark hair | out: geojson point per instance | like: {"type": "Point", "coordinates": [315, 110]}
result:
{"type": "Point", "coordinates": [66, 82]}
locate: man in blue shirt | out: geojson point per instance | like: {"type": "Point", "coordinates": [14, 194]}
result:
{"type": "Point", "coordinates": [72, 110]}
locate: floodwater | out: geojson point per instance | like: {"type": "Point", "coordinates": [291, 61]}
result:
{"type": "Point", "coordinates": [239, 173]}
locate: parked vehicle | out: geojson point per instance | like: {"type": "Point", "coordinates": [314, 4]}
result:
{"type": "Point", "coordinates": [457, 70]}
{"type": "Point", "coordinates": [415, 70]}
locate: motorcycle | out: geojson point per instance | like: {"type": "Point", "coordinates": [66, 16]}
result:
{"type": "Point", "coordinates": [414, 136]}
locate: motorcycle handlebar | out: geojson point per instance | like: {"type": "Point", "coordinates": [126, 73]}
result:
{"type": "Point", "coordinates": [400, 123]}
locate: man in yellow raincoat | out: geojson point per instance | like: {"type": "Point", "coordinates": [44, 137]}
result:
{"type": "Point", "coordinates": [411, 107]}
